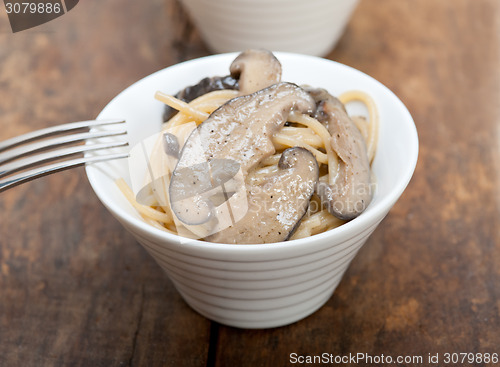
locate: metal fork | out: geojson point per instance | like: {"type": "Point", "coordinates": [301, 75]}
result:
{"type": "Point", "coordinates": [30, 156]}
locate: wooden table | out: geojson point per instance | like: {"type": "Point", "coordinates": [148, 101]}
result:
{"type": "Point", "coordinates": [77, 290]}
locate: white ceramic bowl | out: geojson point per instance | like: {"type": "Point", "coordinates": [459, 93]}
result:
{"type": "Point", "coordinates": [260, 286]}
{"type": "Point", "coordinates": [310, 27]}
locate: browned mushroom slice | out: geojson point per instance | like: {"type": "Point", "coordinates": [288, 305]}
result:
{"type": "Point", "coordinates": [277, 202]}
{"type": "Point", "coordinates": [204, 86]}
{"type": "Point", "coordinates": [255, 70]}
{"type": "Point", "coordinates": [241, 130]}
{"type": "Point", "coordinates": [351, 193]}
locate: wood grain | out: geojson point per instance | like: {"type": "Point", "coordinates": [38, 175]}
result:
{"type": "Point", "coordinates": [77, 290]}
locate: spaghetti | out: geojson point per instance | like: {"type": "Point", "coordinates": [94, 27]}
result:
{"type": "Point", "coordinates": [301, 130]}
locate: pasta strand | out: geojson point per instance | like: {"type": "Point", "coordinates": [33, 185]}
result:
{"type": "Point", "coordinates": [367, 100]}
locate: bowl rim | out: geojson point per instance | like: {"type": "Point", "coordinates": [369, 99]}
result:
{"type": "Point", "coordinates": [370, 217]}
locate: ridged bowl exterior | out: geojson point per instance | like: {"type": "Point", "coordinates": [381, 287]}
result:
{"type": "Point", "coordinates": [243, 291]}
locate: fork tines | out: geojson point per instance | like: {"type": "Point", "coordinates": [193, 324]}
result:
{"type": "Point", "coordinates": [29, 156]}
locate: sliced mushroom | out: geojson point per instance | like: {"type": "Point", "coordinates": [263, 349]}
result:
{"type": "Point", "coordinates": [276, 203]}
{"type": "Point", "coordinates": [250, 71]}
{"type": "Point", "coordinates": [171, 145]}
{"type": "Point", "coordinates": [255, 70]}
{"type": "Point", "coordinates": [241, 130]}
{"type": "Point", "coordinates": [208, 85]}
{"type": "Point", "coordinates": [204, 86]}
{"type": "Point", "coordinates": [351, 192]}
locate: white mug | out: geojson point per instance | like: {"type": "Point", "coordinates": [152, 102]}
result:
{"type": "Point", "coordinates": [301, 26]}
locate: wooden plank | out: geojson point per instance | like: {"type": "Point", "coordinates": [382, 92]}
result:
{"type": "Point", "coordinates": [427, 280]}
{"type": "Point", "coordinates": [75, 288]}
